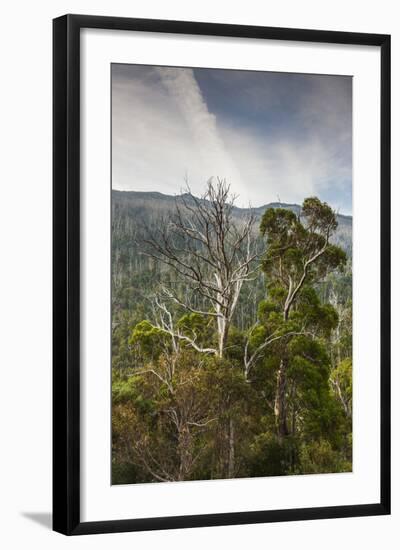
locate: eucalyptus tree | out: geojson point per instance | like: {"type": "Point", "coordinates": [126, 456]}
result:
{"type": "Point", "coordinates": [298, 253]}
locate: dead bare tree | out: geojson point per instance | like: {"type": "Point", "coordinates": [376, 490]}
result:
{"type": "Point", "coordinates": [210, 252]}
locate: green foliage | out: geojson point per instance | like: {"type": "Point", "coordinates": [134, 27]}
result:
{"type": "Point", "coordinates": [294, 243]}
{"type": "Point", "coordinates": [271, 456]}
{"type": "Point", "coordinates": [343, 374]}
{"type": "Point", "coordinates": [194, 324]}
{"type": "Point", "coordinates": [318, 457]}
{"type": "Point", "coordinates": [148, 337]}
{"type": "Point", "coordinates": [180, 414]}
{"type": "Point", "coordinates": [342, 380]}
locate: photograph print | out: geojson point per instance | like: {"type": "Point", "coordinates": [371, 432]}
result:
{"type": "Point", "coordinates": [231, 274]}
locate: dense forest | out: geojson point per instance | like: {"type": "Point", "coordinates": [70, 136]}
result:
{"type": "Point", "coordinates": [231, 337]}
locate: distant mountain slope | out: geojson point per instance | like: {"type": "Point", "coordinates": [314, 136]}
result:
{"type": "Point", "coordinates": [143, 205]}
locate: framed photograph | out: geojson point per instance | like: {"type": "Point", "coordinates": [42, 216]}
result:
{"type": "Point", "coordinates": [221, 274]}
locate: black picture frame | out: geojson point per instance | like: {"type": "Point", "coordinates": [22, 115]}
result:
{"type": "Point", "coordinates": [66, 273]}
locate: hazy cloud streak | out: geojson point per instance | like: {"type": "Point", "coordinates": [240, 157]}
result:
{"type": "Point", "coordinates": [269, 134]}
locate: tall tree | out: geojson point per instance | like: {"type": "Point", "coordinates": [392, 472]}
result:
{"type": "Point", "coordinates": [298, 254]}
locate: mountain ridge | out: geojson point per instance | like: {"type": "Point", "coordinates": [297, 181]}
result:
{"type": "Point", "coordinates": [156, 195]}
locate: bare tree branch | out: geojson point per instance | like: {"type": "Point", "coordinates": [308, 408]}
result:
{"type": "Point", "coordinates": [211, 252]}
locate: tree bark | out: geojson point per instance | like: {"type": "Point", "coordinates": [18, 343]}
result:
{"type": "Point", "coordinates": [185, 454]}
{"type": "Point", "coordinates": [223, 329]}
{"type": "Point", "coordinates": [280, 408]}
{"type": "Point", "coordinates": [231, 459]}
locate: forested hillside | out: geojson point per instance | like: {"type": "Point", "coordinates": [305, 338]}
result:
{"type": "Point", "coordinates": [231, 337]}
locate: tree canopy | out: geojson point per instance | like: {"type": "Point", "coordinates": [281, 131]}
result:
{"type": "Point", "coordinates": [238, 363]}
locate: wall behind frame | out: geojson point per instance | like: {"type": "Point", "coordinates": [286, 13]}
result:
{"type": "Point", "coordinates": [25, 289]}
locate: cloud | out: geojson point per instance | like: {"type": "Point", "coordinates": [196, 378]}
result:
{"type": "Point", "coordinates": [163, 128]}
{"type": "Point", "coordinates": [201, 125]}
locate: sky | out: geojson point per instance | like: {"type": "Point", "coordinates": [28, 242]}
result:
{"type": "Point", "coordinates": [272, 136]}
